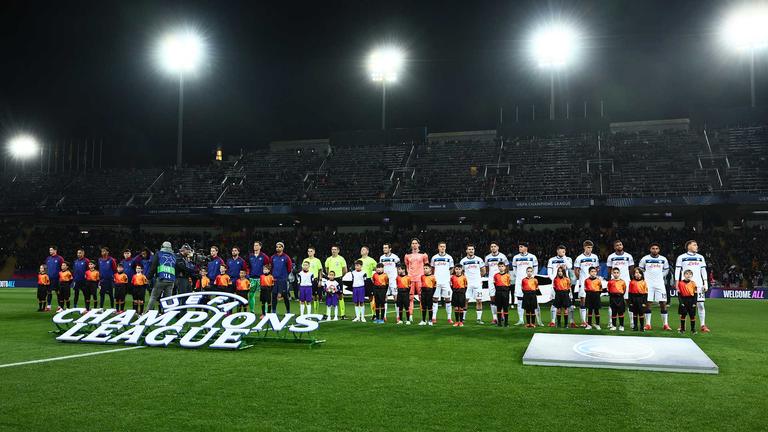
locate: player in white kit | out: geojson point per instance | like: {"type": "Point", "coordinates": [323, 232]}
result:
{"type": "Point", "coordinates": [474, 270]}
{"type": "Point", "coordinates": [691, 260]}
{"type": "Point", "coordinates": [625, 263]}
{"type": "Point", "coordinates": [518, 266]}
{"type": "Point", "coordinates": [492, 261]}
{"type": "Point", "coordinates": [552, 265]}
{"type": "Point", "coordinates": [656, 268]}
{"type": "Point", "coordinates": [581, 270]}
{"type": "Point", "coordinates": [443, 265]}
{"type": "Point", "coordinates": [390, 261]}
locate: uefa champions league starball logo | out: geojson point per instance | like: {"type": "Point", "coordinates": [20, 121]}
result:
{"type": "Point", "coordinates": [615, 349]}
{"type": "Point", "coordinates": [192, 320]}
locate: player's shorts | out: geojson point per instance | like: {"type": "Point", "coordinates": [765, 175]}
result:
{"type": "Point", "coordinates": [518, 291]}
{"type": "Point", "coordinates": [243, 294]}
{"type": "Point", "coordinates": [618, 305]}
{"type": "Point", "coordinates": [331, 299]}
{"type": "Point", "coordinates": [582, 292]}
{"type": "Point", "coordinates": [305, 293]}
{"type": "Point", "coordinates": [358, 295]}
{"type": "Point", "coordinates": [475, 292]}
{"type": "Point", "coordinates": [687, 306]}
{"type": "Point", "coordinates": [443, 291]}
{"type": "Point", "coordinates": [491, 290]}
{"type": "Point", "coordinates": [403, 298]}
{"type": "Point", "coordinates": [657, 294]}
{"type": "Point", "coordinates": [530, 301]}
{"type": "Point", "coordinates": [592, 300]}
{"type": "Point", "coordinates": [459, 298]}
{"type": "Point", "coordinates": [392, 291]}
{"type": "Point", "coordinates": [700, 296]}
{"type": "Point", "coordinates": [120, 291]}
{"type": "Point", "coordinates": [64, 290]}
{"type": "Point", "coordinates": [317, 291]}
{"type": "Point", "coordinates": [139, 292]}
{"type": "Point", "coordinates": [502, 299]}
{"type": "Point", "coordinates": [562, 299]}
{"type": "Point", "coordinates": [636, 302]}
{"type": "Point", "coordinates": [265, 294]}
{"type": "Point", "coordinates": [42, 292]}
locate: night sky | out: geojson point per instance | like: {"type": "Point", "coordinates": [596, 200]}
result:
{"type": "Point", "coordinates": [286, 70]}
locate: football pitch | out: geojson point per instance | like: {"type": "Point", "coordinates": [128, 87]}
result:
{"type": "Point", "coordinates": [371, 377]}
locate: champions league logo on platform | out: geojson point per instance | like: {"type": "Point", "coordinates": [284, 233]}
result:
{"type": "Point", "coordinates": [615, 349]}
{"type": "Point", "coordinates": [192, 320]}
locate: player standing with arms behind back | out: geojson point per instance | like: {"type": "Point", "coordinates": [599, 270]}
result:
{"type": "Point", "coordinates": [474, 270]}
{"type": "Point", "coordinates": [443, 265]}
{"type": "Point", "coordinates": [656, 268]}
{"type": "Point", "coordinates": [415, 262]}
{"type": "Point", "coordinates": [691, 260]}
{"type": "Point", "coordinates": [390, 262]}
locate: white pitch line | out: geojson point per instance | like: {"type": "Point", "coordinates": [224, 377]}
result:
{"type": "Point", "coordinates": [69, 357]}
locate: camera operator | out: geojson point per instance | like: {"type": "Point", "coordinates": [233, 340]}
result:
{"type": "Point", "coordinates": [186, 270]}
{"type": "Point", "coordinates": [163, 271]}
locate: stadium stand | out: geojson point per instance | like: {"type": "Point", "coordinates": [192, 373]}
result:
{"type": "Point", "coordinates": [626, 164]}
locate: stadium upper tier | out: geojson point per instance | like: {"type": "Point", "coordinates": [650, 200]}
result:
{"type": "Point", "coordinates": [456, 168]}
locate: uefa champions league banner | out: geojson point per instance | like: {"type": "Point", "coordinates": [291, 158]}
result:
{"type": "Point", "coordinates": [192, 320]}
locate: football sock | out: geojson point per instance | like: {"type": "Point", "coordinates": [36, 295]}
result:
{"type": "Point", "coordinates": [700, 307]}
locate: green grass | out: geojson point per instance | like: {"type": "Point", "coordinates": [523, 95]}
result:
{"type": "Point", "coordinates": [374, 378]}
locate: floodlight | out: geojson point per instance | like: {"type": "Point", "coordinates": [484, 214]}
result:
{"type": "Point", "coordinates": [554, 45]}
{"type": "Point", "coordinates": [384, 64]}
{"type": "Point", "coordinates": [23, 146]}
{"type": "Point", "coordinates": [181, 51]}
{"type": "Point", "coordinates": [746, 28]}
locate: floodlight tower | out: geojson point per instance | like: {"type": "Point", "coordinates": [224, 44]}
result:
{"type": "Point", "coordinates": [384, 65]}
{"type": "Point", "coordinates": [746, 30]}
{"type": "Point", "coordinates": [553, 47]}
{"type": "Point", "coordinates": [178, 53]}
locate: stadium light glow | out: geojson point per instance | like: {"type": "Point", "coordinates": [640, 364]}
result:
{"type": "Point", "coordinates": [554, 45]}
{"type": "Point", "coordinates": [23, 146]}
{"type": "Point", "coordinates": [384, 64]}
{"type": "Point", "coordinates": [746, 28]}
{"type": "Point", "coordinates": [181, 51]}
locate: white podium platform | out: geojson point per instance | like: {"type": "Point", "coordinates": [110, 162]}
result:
{"type": "Point", "coordinates": [668, 354]}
